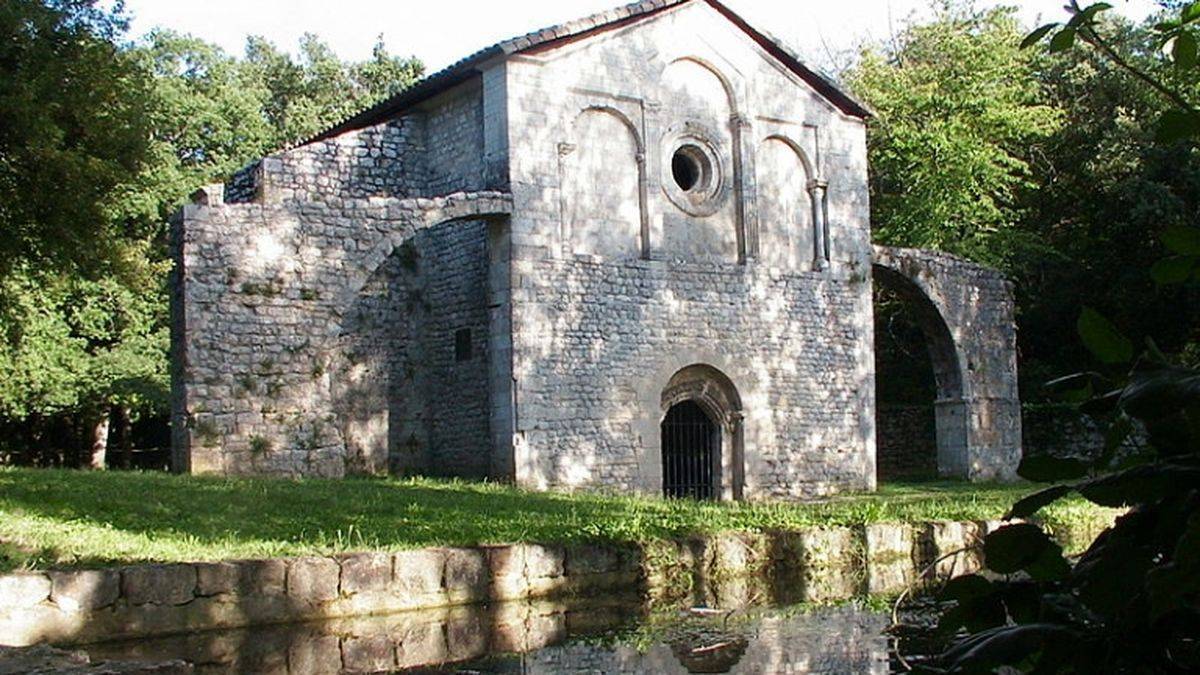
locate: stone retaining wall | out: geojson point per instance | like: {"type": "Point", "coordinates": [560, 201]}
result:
{"type": "Point", "coordinates": [137, 601]}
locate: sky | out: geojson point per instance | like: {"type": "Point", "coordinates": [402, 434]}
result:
{"type": "Point", "coordinates": [444, 31]}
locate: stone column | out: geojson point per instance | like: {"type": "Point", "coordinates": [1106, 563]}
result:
{"type": "Point", "coordinates": [745, 188]}
{"type": "Point", "coordinates": [816, 191]}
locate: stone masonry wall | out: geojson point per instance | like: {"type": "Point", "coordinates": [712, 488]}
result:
{"type": "Point", "coordinates": [598, 335]}
{"type": "Point", "coordinates": [436, 150]}
{"type": "Point", "coordinates": [266, 377]}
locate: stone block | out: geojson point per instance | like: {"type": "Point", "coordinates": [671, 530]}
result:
{"type": "Point", "coordinates": [23, 589]}
{"type": "Point", "coordinates": [465, 577]}
{"type": "Point", "coordinates": [216, 578]}
{"type": "Point", "coordinates": [507, 572]}
{"type": "Point", "coordinates": [542, 562]}
{"type": "Point", "coordinates": [158, 584]}
{"type": "Point", "coordinates": [953, 548]}
{"type": "Point", "coordinates": [313, 580]}
{"type": "Point", "coordinates": [85, 589]}
{"type": "Point", "coordinates": [365, 572]}
{"type": "Point", "coordinates": [418, 573]}
{"type": "Point", "coordinates": [890, 560]}
{"type": "Point", "coordinates": [421, 645]}
{"type": "Point", "coordinates": [369, 654]}
{"type": "Point", "coordinates": [262, 577]}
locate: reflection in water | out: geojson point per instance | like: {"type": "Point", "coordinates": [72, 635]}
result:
{"type": "Point", "coordinates": [610, 636]}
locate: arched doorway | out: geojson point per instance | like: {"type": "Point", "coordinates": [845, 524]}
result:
{"type": "Point", "coordinates": [701, 435]}
{"type": "Point", "coordinates": [691, 452]}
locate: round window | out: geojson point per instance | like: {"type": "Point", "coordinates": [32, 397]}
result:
{"type": "Point", "coordinates": [691, 168]}
{"type": "Point", "coordinates": [693, 171]}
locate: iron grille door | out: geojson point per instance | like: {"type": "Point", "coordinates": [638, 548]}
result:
{"type": "Point", "coordinates": [690, 448]}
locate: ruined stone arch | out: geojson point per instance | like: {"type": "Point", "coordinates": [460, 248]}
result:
{"type": "Point", "coordinates": [966, 314]}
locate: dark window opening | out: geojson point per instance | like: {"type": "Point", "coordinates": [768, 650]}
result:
{"type": "Point", "coordinates": [691, 451]}
{"type": "Point", "coordinates": [688, 167]}
{"type": "Point", "coordinates": [463, 349]}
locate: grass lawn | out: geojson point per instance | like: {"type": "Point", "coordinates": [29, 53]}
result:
{"type": "Point", "coordinates": [51, 518]}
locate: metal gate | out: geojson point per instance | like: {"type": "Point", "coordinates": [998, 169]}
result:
{"type": "Point", "coordinates": [691, 448]}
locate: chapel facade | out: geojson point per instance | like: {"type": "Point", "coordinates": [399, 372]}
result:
{"type": "Point", "coordinates": [628, 253]}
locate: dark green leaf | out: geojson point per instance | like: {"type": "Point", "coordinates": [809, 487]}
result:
{"type": "Point", "coordinates": [1114, 438]}
{"type": "Point", "coordinates": [966, 587]}
{"type": "Point", "coordinates": [983, 652]}
{"type": "Point", "coordinates": [1037, 35]}
{"type": "Point", "coordinates": [1157, 392]}
{"type": "Point", "coordinates": [1173, 270]}
{"type": "Point", "coordinates": [1050, 565]}
{"type": "Point", "coordinates": [1102, 405]}
{"type": "Point", "coordinates": [1182, 239]}
{"type": "Point", "coordinates": [1102, 338]}
{"type": "Point", "coordinates": [1177, 125]}
{"type": "Point", "coordinates": [1141, 484]}
{"type": "Point", "coordinates": [1012, 547]}
{"type": "Point", "coordinates": [1047, 469]}
{"type": "Point", "coordinates": [1190, 13]}
{"type": "Point", "coordinates": [1030, 505]}
{"type": "Point", "coordinates": [1183, 51]}
{"type": "Point", "coordinates": [1062, 40]}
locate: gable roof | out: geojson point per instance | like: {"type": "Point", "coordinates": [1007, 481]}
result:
{"type": "Point", "coordinates": [547, 38]}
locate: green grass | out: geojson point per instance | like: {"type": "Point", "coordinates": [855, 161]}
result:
{"type": "Point", "coordinates": [51, 518]}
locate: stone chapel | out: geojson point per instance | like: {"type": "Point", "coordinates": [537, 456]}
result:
{"type": "Point", "coordinates": [628, 253]}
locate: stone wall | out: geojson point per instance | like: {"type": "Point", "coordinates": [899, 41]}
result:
{"type": "Point", "coordinates": [601, 341]}
{"type": "Point", "coordinates": [273, 371]}
{"type": "Point", "coordinates": [728, 570]}
{"type": "Point", "coordinates": [622, 277]}
{"type": "Point", "coordinates": [906, 444]}
{"type": "Point", "coordinates": [431, 151]}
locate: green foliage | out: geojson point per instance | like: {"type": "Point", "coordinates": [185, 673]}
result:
{"type": "Point", "coordinates": [958, 115]}
{"type": "Point", "coordinates": [100, 141]}
{"type": "Point", "coordinates": [73, 122]}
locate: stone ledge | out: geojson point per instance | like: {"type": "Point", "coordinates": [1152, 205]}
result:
{"type": "Point", "coordinates": [137, 601]}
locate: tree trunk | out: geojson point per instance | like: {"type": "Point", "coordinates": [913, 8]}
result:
{"type": "Point", "coordinates": [100, 441]}
{"type": "Point", "coordinates": [125, 433]}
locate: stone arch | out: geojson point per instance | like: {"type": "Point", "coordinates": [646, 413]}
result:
{"type": "Point", "coordinates": [417, 215]}
{"type": "Point", "coordinates": [716, 394]}
{"type": "Point", "coordinates": [731, 96]}
{"type": "Point", "coordinates": [786, 209]}
{"type": "Point", "coordinates": [966, 314]}
{"type": "Point", "coordinates": [603, 177]}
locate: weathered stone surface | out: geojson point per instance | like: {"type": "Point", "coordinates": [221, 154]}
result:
{"type": "Point", "coordinates": [466, 576]}
{"type": "Point", "coordinates": [84, 589]}
{"type": "Point", "coordinates": [23, 589]}
{"type": "Point", "coordinates": [373, 654]}
{"type": "Point", "coordinates": [158, 584]}
{"type": "Point", "coordinates": [317, 654]}
{"type": "Point", "coordinates": [216, 578]}
{"type": "Point", "coordinates": [891, 557]}
{"type": "Point", "coordinates": [418, 573]}
{"type": "Point", "coordinates": [44, 660]}
{"type": "Point", "coordinates": [312, 580]}
{"type": "Point", "coordinates": [364, 572]}
{"type": "Point", "coordinates": [585, 560]}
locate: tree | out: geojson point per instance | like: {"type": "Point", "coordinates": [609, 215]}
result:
{"type": "Point", "coordinates": [958, 115]}
{"type": "Point", "coordinates": [1131, 603]}
{"type": "Point", "coordinates": [72, 122]}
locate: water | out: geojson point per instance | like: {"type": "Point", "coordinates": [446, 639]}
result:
{"type": "Point", "coordinates": [612, 635]}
